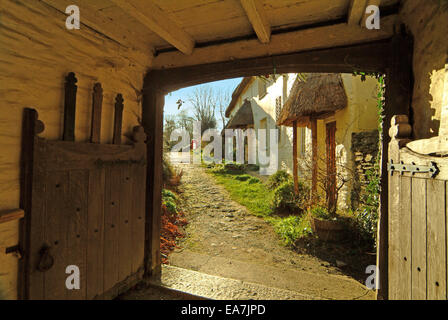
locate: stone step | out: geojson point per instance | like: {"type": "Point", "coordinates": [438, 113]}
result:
{"type": "Point", "coordinates": [300, 284]}
{"type": "Point", "coordinates": [220, 288]}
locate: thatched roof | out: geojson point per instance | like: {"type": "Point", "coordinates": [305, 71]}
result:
{"type": "Point", "coordinates": [315, 96]}
{"type": "Point", "coordinates": [236, 94]}
{"type": "Point", "coordinates": [242, 118]}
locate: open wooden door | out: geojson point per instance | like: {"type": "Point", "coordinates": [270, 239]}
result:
{"type": "Point", "coordinates": [85, 208]}
{"type": "Point", "coordinates": [84, 227]}
{"type": "Point", "coordinates": [418, 190]}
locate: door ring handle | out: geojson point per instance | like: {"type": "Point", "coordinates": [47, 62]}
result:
{"type": "Point", "coordinates": [46, 260]}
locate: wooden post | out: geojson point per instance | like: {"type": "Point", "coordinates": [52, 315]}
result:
{"type": "Point", "coordinates": [314, 158]}
{"type": "Point", "coordinates": [118, 119]}
{"type": "Point", "coordinates": [294, 157]}
{"type": "Point", "coordinates": [70, 107]}
{"type": "Point", "coordinates": [31, 127]}
{"type": "Point", "coordinates": [152, 121]}
{"type": "Point", "coordinates": [331, 164]}
{"type": "Point", "coordinates": [97, 99]}
{"type": "Point", "coordinates": [398, 101]}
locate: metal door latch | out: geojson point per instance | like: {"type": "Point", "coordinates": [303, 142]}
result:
{"type": "Point", "coordinates": [433, 170]}
{"type": "Point", "coordinates": [15, 251]}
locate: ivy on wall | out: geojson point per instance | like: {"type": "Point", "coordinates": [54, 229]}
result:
{"type": "Point", "coordinates": [368, 211]}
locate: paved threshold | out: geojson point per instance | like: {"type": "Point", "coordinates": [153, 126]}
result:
{"type": "Point", "coordinates": [220, 288]}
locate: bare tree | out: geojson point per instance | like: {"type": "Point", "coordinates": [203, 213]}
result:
{"type": "Point", "coordinates": [204, 103]}
{"type": "Point", "coordinates": [168, 128]}
{"type": "Point", "coordinates": [343, 174]}
{"type": "Point", "coordinates": [222, 101]}
{"type": "Point", "coordinates": [184, 121]}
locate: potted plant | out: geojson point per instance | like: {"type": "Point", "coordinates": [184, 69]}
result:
{"type": "Point", "coordinates": [325, 221]}
{"type": "Point", "coordinates": [327, 226]}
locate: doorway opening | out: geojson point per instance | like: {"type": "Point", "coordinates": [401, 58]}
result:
{"type": "Point", "coordinates": [368, 57]}
{"type": "Point", "coordinates": [238, 228]}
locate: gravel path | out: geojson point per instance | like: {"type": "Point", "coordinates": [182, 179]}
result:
{"type": "Point", "coordinates": [224, 240]}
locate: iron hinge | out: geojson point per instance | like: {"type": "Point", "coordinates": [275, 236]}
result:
{"type": "Point", "coordinates": [413, 168]}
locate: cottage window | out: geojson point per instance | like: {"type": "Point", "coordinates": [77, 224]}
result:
{"type": "Point", "coordinates": [264, 125]}
{"type": "Point", "coordinates": [262, 87]}
{"type": "Point", "coordinates": [278, 107]}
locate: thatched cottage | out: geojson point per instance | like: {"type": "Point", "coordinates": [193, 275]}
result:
{"type": "Point", "coordinates": [256, 103]}
{"type": "Point", "coordinates": [336, 109]}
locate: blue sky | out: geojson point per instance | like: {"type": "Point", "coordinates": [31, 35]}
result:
{"type": "Point", "coordinates": [170, 99]}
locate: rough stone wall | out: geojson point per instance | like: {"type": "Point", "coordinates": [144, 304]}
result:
{"type": "Point", "coordinates": [365, 151]}
{"type": "Point", "coordinates": [427, 20]}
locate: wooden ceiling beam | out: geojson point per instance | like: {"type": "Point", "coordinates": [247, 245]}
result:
{"type": "Point", "coordinates": [296, 41]}
{"type": "Point", "coordinates": [257, 17]}
{"type": "Point", "coordinates": [356, 11]}
{"type": "Point", "coordinates": [158, 21]}
{"type": "Point", "coordinates": [99, 22]}
{"type": "Point", "coordinates": [369, 57]}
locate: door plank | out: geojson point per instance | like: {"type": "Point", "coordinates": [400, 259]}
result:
{"type": "Point", "coordinates": [418, 239]}
{"type": "Point", "coordinates": [36, 227]}
{"type": "Point", "coordinates": [57, 201]}
{"type": "Point", "coordinates": [394, 231]}
{"type": "Point", "coordinates": [95, 233]}
{"type": "Point", "coordinates": [111, 227]}
{"type": "Point", "coordinates": [138, 216]}
{"type": "Point", "coordinates": [404, 240]}
{"type": "Point", "coordinates": [436, 240]}
{"type": "Point", "coordinates": [125, 242]}
{"type": "Point", "coordinates": [76, 221]}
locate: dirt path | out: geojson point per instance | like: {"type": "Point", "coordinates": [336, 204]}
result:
{"type": "Point", "coordinates": [224, 240]}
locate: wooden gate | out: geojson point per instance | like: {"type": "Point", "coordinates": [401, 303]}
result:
{"type": "Point", "coordinates": [418, 175]}
{"type": "Point", "coordinates": [84, 210]}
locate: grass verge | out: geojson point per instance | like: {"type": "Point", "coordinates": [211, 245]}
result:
{"type": "Point", "coordinates": [257, 198]}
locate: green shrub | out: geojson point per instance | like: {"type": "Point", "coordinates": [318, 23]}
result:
{"type": "Point", "coordinates": [253, 167]}
{"type": "Point", "coordinates": [243, 177]}
{"type": "Point", "coordinates": [168, 194]}
{"type": "Point", "coordinates": [170, 206]}
{"type": "Point", "coordinates": [219, 168]}
{"type": "Point", "coordinates": [169, 200]}
{"type": "Point", "coordinates": [253, 180]}
{"type": "Point", "coordinates": [367, 213]}
{"type": "Point", "coordinates": [320, 212]}
{"type": "Point", "coordinates": [291, 228]}
{"type": "Point", "coordinates": [277, 179]}
{"type": "Point", "coordinates": [168, 171]}
{"type": "Point", "coordinates": [231, 168]}
{"type": "Point", "coordinates": [285, 198]}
